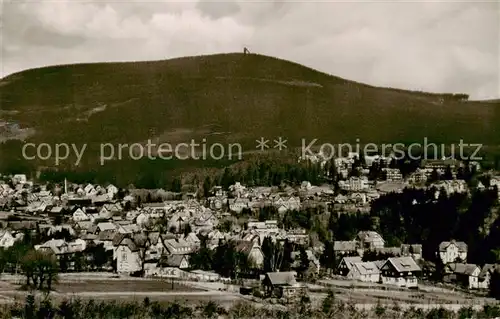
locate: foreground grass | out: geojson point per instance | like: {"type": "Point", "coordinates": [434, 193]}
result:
{"type": "Point", "coordinates": [147, 309]}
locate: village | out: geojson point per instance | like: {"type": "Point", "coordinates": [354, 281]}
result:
{"type": "Point", "coordinates": [240, 238]}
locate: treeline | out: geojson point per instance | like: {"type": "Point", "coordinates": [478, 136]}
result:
{"type": "Point", "coordinates": [303, 308]}
{"type": "Point", "coordinates": [251, 173]}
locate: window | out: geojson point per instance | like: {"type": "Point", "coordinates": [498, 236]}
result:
{"type": "Point", "coordinates": [124, 256]}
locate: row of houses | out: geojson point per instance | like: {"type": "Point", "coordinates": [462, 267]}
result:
{"type": "Point", "coordinates": [399, 271]}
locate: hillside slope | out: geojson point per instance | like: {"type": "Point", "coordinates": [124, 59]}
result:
{"type": "Point", "coordinates": [229, 97]}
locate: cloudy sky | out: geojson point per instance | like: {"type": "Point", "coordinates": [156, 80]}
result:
{"type": "Point", "coordinates": [438, 46]}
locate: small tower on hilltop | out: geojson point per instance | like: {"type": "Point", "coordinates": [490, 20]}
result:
{"type": "Point", "coordinates": [246, 51]}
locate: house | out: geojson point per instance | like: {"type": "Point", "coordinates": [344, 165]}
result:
{"type": "Point", "coordinates": [176, 261]}
{"type": "Point", "coordinates": [345, 265]}
{"type": "Point", "coordinates": [111, 190]}
{"type": "Point", "coordinates": [439, 164]}
{"type": "Point", "coordinates": [128, 259]}
{"type": "Point", "coordinates": [495, 183]}
{"type": "Point", "coordinates": [419, 176]}
{"type": "Point", "coordinates": [237, 189]}
{"type": "Point", "coordinates": [106, 237]}
{"type": "Point", "coordinates": [192, 239]}
{"type": "Point", "coordinates": [450, 187]}
{"type": "Point", "coordinates": [485, 275]}
{"type": "Point", "coordinates": [238, 204]}
{"type": "Point", "coordinates": [466, 275]}
{"type": "Point", "coordinates": [343, 248]}
{"type": "Point", "coordinates": [354, 184]}
{"type": "Point", "coordinates": [105, 226]}
{"type": "Point", "coordinates": [400, 271]}
{"type": "Point", "coordinates": [370, 240]}
{"type": "Point", "coordinates": [155, 246]}
{"type": "Point", "coordinates": [61, 229]}
{"type": "Point", "coordinates": [364, 271]}
{"type": "Point", "coordinates": [168, 266]}
{"type": "Point", "coordinates": [314, 264]}
{"type": "Point", "coordinates": [392, 174]}
{"type": "Point", "coordinates": [6, 239]}
{"type": "Point", "coordinates": [452, 251]}
{"type": "Point", "coordinates": [177, 246]}
{"type": "Point", "coordinates": [142, 219]}
{"type": "Point", "coordinates": [90, 190]}
{"type": "Point", "coordinates": [414, 251]}
{"type": "Point", "coordinates": [206, 220]}
{"type": "Point", "coordinates": [19, 179]}
{"type": "Point", "coordinates": [281, 284]}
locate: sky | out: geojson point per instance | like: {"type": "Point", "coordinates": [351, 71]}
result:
{"type": "Point", "coordinates": [436, 46]}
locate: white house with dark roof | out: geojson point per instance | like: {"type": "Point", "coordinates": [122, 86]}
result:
{"type": "Point", "coordinates": [451, 251]}
{"type": "Point", "coordinates": [400, 271]}
{"type": "Point", "coordinates": [128, 259]}
{"type": "Point", "coordinates": [466, 275]}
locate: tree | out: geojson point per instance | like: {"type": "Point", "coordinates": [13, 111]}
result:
{"type": "Point", "coordinates": [379, 310]}
{"type": "Point", "coordinates": [448, 173]}
{"type": "Point", "coordinates": [207, 185]}
{"type": "Point", "coordinates": [286, 263]}
{"type": "Point", "coordinates": [201, 259]}
{"type": "Point", "coordinates": [327, 259]}
{"type": "Point", "coordinates": [329, 303]}
{"type": "Point", "coordinates": [495, 284]}
{"type": "Point", "coordinates": [229, 262]}
{"type": "Point", "coordinates": [434, 176]}
{"type": "Point", "coordinates": [40, 268]}
{"type": "Point", "coordinates": [273, 255]}
{"type": "Point", "coordinates": [176, 185]}
{"type": "Point", "coordinates": [304, 262]}
{"type": "Point", "coordinates": [225, 226]}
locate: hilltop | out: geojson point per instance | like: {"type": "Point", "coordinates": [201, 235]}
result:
{"type": "Point", "coordinates": [230, 97]}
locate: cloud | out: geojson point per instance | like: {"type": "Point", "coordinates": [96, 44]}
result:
{"type": "Point", "coordinates": [434, 46]}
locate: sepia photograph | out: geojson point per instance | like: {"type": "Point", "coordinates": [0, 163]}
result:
{"type": "Point", "coordinates": [250, 159]}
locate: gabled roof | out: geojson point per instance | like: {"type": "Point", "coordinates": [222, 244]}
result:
{"type": "Point", "coordinates": [488, 268]}
{"type": "Point", "coordinates": [464, 269]}
{"type": "Point", "coordinates": [172, 260]}
{"type": "Point", "coordinates": [369, 236]}
{"type": "Point", "coordinates": [106, 226]}
{"type": "Point", "coordinates": [366, 268]}
{"type": "Point", "coordinates": [107, 235]}
{"type": "Point", "coordinates": [349, 261]}
{"type": "Point", "coordinates": [403, 264]}
{"type": "Point", "coordinates": [462, 247]}
{"type": "Point", "coordinates": [118, 239]}
{"type": "Point", "coordinates": [286, 278]}
{"type": "Point", "coordinates": [129, 243]}
{"type": "Point", "coordinates": [153, 237]}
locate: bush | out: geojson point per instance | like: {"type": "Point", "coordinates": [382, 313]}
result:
{"type": "Point", "coordinates": [257, 293]}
